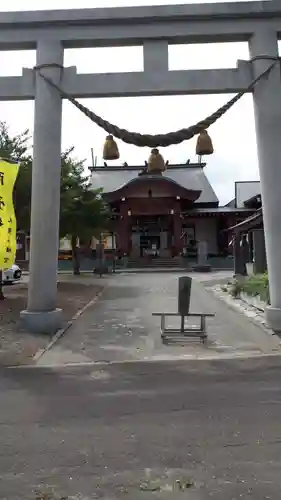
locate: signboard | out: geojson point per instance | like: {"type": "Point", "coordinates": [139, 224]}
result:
{"type": "Point", "coordinates": [8, 226]}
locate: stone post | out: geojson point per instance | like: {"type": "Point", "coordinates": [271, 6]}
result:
{"type": "Point", "coordinates": [202, 253]}
{"type": "Point", "coordinates": [267, 106]}
{"type": "Point", "coordinates": [202, 258]}
{"type": "Point", "coordinates": [41, 315]}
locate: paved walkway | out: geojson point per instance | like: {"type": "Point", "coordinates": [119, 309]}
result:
{"type": "Point", "coordinates": [110, 432]}
{"type": "Point", "coordinates": [120, 327]}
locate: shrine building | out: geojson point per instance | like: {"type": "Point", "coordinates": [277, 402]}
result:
{"type": "Point", "coordinates": [165, 213]}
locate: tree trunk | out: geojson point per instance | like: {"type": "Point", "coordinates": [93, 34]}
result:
{"type": "Point", "coordinates": [1, 288]}
{"type": "Point", "coordinates": [75, 256]}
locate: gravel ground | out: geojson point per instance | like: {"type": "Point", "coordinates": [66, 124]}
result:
{"type": "Point", "coordinates": [18, 347]}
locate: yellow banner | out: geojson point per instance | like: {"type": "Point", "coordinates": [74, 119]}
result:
{"type": "Point", "coordinates": [8, 226]}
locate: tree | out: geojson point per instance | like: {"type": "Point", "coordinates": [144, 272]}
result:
{"type": "Point", "coordinates": [16, 147]}
{"type": "Point", "coordinates": [83, 213]}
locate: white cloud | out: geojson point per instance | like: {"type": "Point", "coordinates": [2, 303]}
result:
{"type": "Point", "coordinates": [233, 135]}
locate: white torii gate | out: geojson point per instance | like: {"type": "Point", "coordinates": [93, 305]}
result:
{"type": "Point", "coordinates": [154, 28]}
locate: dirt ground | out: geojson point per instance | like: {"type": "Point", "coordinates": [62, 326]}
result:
{"type": "Point", "coordinates": [18, 347]}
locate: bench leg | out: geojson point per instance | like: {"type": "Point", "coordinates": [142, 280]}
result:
{"type": "Point", "coordinates": [162, 327]}
{"type": "Point", "coordinates": [182, 324]}
{"type": "Point", "coordinates": [203, 329]}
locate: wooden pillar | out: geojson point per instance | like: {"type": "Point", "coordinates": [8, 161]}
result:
{"type": "Point", "coordinates": [239, 264]}
{"type": "Point", "coordinates": [177, 227]}
{"type": "Point", "coordinates": [124, 230]}
{"type": "Point", "coordinates": [260, 265]}
{"type": "Point", "coordinates": [222, 236]}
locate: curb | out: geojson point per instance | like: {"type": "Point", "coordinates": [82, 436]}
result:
{"type": "Point", "coordinates": [102, 364]}
{"type": "Point", "coordinates": [62, 331]}
{"type": "Point", "coordinates": [133, 270]}
{"type": "Point", "coordinates": [235, 306]}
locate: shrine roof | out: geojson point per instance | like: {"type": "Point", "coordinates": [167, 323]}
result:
{"type": "Point", "coordinates": [255, 221]}
{"type": "Point", "coordinates": [190, 177]}
{"type": "Point", "coordinates": [223, 210]}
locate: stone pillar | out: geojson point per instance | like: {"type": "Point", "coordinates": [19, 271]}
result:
{"type": "Point", "coordinates": [267, 106]}
{"type": "Point", "coordinates": [259, 251]}
{"type": "Point", "coordinates": [202, 253]}
{"type": "Point", "coordinates": [41, 315]}
{"type": "Point", "coordinates": [202, 258]}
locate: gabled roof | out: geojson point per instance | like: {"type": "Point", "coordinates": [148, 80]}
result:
{"type": "Point", "coordinates": [253, 201]}
{"type": "Point", "coordinates": [231, 203]}
{"type": "Point", "coordinates": [255, 221]}
{"type": "Point", "coordinates": [190, 177]}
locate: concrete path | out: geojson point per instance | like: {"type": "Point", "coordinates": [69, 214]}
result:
{"type": "Point", "coordinates": [140, 430]}
{"type": "Point", "coordinates": [120, 327]}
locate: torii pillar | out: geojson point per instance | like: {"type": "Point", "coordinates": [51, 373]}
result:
{"type": "Point", "coordinates": [42, 315]}
{"type": "Point", "coordinates": [267, 106]}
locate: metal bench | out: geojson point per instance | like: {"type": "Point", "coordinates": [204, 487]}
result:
{"type": "Point", "coordinates": [184, 332]}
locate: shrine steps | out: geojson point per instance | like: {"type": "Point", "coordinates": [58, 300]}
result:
{"type": "Point", "coordinates": [160, 262]}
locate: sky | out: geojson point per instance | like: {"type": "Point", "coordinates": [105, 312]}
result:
{"type": "Point", "coordinates": [233, 136]}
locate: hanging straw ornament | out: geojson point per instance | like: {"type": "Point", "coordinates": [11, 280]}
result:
{"type": "Point", "coordinates": [204, 144]}
{"type": "Point", "coordinates": [110, 149]}
{"type": "Point", "coordinates": [156, 163]}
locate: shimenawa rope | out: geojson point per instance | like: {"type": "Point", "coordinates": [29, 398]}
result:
{"type": "Point", "coordinates": [154, 141]}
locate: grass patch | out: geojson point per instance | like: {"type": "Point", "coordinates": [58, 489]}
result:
{"type": "Point", "coordinates": [257, 284]}
{"type": "Point", "coordinates": [254, 285]}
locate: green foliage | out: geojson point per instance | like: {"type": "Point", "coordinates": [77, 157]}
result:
{"type": "Point", "coordinates": [16, 147]}
{"type": "Point", "coordinates": [257, 284]}
{"type": "Point", "coordinates": [22, 195]}
{"type": "Point", "coordinates": [82, 210]}
{"type": "Point", "coordinates": [254, 285]}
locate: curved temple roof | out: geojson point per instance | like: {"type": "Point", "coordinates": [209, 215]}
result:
{"type": "Point", "coordinates": [149, 180]}
{"type": "Point", "coordinates": [111, 179]}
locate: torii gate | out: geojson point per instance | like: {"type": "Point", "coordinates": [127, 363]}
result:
{"type": "Point", "coordinates": [49, 32]}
